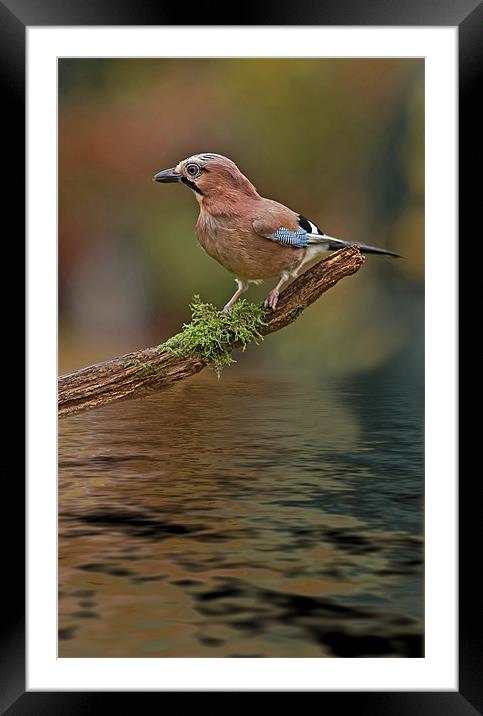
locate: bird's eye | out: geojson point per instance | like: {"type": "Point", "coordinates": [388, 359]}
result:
{"type": "Point", "coordinates": [192, 169]}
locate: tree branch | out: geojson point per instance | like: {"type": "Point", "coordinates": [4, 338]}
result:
{"type": "Point", "coordinates": [137, 374]}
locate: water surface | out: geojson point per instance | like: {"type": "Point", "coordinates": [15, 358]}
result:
{"type": "Point", "coordinates": [246, 517]}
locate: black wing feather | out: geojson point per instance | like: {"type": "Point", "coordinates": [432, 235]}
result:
{"type": "Point", "coordinates": [309, 226]}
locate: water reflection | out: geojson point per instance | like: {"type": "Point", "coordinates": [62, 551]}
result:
{"type": "Point", "coordinates": [243, 517]}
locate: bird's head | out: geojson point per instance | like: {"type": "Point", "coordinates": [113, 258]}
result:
{"type": "Point", "coordinates": [209, 176]}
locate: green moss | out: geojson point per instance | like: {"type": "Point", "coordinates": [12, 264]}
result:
{"type": "Point", "coordinates": [295, 312]}
{"type": "Point", "coordinates": [210, 335]}
{"type": "Point", "coordinates": [142, 367]}
{"type": "Point", "coordinates": [130, 362]}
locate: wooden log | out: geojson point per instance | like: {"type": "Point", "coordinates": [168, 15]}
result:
{"type": "Point", "coordinates": [139, 373]}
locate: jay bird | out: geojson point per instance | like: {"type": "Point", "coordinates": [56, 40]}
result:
{"type": "Point", "coordinates": [253, 237]}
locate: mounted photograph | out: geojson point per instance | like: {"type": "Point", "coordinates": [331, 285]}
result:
{"type": "Point", "coordinates": [241, 347]}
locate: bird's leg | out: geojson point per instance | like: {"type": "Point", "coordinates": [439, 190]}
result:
{"type": "Point", "coordinates": [272, 298]}
{"type": "Point", "coordinates": [242, 287]}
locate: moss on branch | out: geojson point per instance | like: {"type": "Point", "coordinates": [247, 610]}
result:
{"type": "Point", "coordinates": [211, 335]}
{"type": "Point", "coordinates": [208, 340]}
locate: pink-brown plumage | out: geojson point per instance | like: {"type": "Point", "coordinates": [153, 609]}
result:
{"type": "Point", "coordinates": [253, 237]}
{"type": "Point", "coordinates": [230, 238]}
{"type": "Point", "coordinates": [235, 222]}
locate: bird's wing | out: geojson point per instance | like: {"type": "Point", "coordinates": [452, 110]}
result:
{"type": "Point", "coordinates": [317, 236]}
{"type": "Point", "coordinates": [304, 234]}
{"type": "Point", "coordinates": [280, 234]}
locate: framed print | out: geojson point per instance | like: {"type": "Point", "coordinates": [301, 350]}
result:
{"type": "Point", "coordinates": [289, 523]}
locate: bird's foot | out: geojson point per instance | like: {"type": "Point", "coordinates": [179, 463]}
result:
{"type": "Point", "coordinates": [225, 310]}
{"type": "Point", "coordinates": [272, 299]}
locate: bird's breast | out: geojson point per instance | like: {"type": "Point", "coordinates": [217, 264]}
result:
{"type": "Point", "coordinates": [233, 243]}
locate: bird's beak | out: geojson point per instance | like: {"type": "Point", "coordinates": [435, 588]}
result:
{"type": "Point", "coordinates": [166, 176]}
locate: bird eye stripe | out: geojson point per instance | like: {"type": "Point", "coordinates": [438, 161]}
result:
{"type": "Point", "coordinates": [191, 185]}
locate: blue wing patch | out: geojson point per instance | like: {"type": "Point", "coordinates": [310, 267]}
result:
{"type": "Point", "coordinates": [297, 239]}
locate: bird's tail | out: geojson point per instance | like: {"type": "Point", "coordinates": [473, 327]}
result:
{"type": "Point", "coordinates": [336, 244]}
{"type": "Point", "coordinates": [375, 250]}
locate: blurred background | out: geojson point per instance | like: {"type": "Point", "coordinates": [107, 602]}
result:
{"type": "Point", "coordinates": [277, 511]}
{"type": "Point", "coordinates": [340, 141]}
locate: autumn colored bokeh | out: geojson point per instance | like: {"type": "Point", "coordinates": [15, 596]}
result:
{"type": "Point", "coordinates": [340, 141]}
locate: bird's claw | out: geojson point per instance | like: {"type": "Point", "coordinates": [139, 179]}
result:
{"type": "Point", "coordinates": [271, 300]}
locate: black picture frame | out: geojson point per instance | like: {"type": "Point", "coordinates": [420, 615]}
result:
{"type": "Point", "coordinates": [15, 17]}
